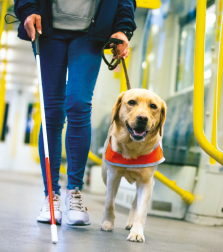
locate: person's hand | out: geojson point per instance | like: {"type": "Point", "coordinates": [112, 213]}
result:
{"type": "Point", "coordinates": [29, 23]}
{"type": "Point", "coordinates": [122, 49]}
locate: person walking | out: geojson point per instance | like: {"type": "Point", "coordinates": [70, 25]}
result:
{"type": "Point", "coordinates": [71, 34]}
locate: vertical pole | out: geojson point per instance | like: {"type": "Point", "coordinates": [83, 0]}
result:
{"type": "Point", "coordinates": [198, 117]}
{"type": "Point", "coordinates": [218, 84]}
{"type": "Point", "coordinates": [2, 19]}
{"type": "Point", "coordinates": [2, 82]}
{"type": "Point", "coordinates": [146, 66]}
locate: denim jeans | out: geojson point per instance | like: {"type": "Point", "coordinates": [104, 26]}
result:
{"type": "Point", "coordinates": [68, 50]}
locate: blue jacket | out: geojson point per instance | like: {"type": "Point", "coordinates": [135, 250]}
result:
{"type": "Point", "coordinates": [111, 16]}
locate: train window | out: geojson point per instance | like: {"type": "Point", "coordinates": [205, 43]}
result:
{"type": "Point", "coordinates": [185, 71]}
{"type": "Point", "coordinates": [29, 124]}
{"type": "Point", "coordinates": [5, 128]}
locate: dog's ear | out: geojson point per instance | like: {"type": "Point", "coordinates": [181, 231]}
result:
{"type": "Point", "coordinates": [162, 117]}
{"type": "Point", "coordinates": [116, 108]}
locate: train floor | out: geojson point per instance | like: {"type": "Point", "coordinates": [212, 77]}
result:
{"type": "Point", "coordinates": [21, 198]}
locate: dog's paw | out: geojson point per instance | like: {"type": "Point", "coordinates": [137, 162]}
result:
{"type": "Point", "coordinates": [128, 226]}
{"type": "Point", "coordinates": [106, 226]}
{"type": "Point", "coordinates": [135, 237]}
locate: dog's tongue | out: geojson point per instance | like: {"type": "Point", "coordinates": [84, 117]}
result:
{"type": "Point", "coordinates": [139, 134]}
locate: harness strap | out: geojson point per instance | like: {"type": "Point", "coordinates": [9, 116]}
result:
{"type": "Point", "coordinates": [151, 159]}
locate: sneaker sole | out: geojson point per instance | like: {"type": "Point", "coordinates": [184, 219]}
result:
{"type": "Point", "coordinates": [58, 222]}
{"type": "Point", "coordinates": [78, 223]}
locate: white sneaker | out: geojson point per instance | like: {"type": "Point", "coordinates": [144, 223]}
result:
{"type": "Point", "coordinates": [75, 210]}
{"type": "Point", "coordinates": [44, 215]}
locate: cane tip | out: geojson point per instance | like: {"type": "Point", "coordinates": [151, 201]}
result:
{"type": "Point", "coordinates": [54, 233]}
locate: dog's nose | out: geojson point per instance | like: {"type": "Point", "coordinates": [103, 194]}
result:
{"type": "Point", "coordinates": [142, 118]}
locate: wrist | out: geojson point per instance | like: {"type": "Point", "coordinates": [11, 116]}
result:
{"type": "Point", "coordinates": [29, 10]}
{"type": "Point", "coordinates": [127, 33]}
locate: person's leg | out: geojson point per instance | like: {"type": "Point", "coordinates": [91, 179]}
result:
{"type": "Point", "coordinates": [53, 59]}
{"type": "Point", "coordinates": [84, 59]}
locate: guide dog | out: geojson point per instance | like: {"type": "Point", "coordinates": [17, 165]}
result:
{"type": "Point", "coordinates": [133, 150]}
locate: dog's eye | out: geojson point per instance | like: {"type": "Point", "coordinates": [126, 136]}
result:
{"type": "Point", "coordinates": [131, 102]}
{"type": "Point", "coordinates": [153, 106]}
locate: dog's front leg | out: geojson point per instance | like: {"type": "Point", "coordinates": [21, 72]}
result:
{"type": "Point", "coordinates": [113, 181]}
{"type": "Point", "coordinates": [132, 213]}
{"type": "Point", "coordinates": [144, 192]}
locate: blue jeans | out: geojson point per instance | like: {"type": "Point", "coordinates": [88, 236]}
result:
{"type": "Point", "coordinates": [68, 50]}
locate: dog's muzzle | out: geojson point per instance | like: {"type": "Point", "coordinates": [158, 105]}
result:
{"type": "Point", "coordinates": [138, 133]}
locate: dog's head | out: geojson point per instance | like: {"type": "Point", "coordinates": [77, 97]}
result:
{"type": "Point", "coordinates": [139, 112]}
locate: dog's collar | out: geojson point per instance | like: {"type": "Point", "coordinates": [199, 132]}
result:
{"type": "Point", "coordinates": [152, 159]}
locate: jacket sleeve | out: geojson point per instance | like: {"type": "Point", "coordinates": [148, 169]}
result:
{"type": "Point", "coordinates": [124, 18]}
{"type": "Point", "coordinates": [25, 8]}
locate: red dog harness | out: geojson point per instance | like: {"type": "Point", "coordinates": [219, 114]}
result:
{"type": "Point", "coordinates": [154, 158]}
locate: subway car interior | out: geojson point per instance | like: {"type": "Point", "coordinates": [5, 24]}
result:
{"type": "Point", "coordinates": [185, 212]}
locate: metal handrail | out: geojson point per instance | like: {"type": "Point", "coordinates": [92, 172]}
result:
{"type": "Point", "coordinates": [199, 85]}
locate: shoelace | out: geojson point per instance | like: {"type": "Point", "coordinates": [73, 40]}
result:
{"type": "Point", "coordinates": [56, 204]}
{"type": "Point", "coordinates": [76, 202]}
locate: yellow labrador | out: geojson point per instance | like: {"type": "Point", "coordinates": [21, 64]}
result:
{"type": "Point", "coordinates": [136, 130]}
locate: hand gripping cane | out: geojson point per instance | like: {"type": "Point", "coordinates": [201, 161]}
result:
{"type": "Point", "coordinates": [47, 160]}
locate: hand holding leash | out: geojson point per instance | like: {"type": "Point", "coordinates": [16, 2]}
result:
{"type": "Point", "coordinates": [114, 62]}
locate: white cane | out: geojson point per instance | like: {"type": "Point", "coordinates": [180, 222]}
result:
{"type": "Point", "coordinates": [46, 150]}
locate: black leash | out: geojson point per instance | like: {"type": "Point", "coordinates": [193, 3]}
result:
{"type": "Point", "coordinates": [10, 15]}
{"type": "Point", "coordinates": [114, 62]}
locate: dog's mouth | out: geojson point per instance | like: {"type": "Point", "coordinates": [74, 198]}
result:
{"type": "Point", "coordinates": [138, 133]}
